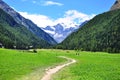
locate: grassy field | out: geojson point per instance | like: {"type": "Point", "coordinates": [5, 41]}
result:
{"type": "Point", "coordinates": [90, 65]}
{"type": "Point", "coordinates": [14, 64]}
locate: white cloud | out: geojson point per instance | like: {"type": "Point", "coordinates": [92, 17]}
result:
{"type": "Point", "coordinates": [40, 20]}
{"type": "Point", "coordinates": [69, 19]}
{"type": "Point", "coordinates": [73, 17]}
{"type": "Point", "coordinates": [49, 3]}
{"type": "Point", "coordinates": [34, 1]}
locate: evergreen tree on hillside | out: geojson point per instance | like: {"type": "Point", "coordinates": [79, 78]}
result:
{"type": "Point", "coordinates": [13, 34]}
{"type": "Point", "coordinates": [102, 33]}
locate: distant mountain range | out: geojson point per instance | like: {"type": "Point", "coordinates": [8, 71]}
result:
{"type": "Point", "coordinates": [27, 23]}
{"type": "Point", "coordinates": [59, 32]}
{"type": "Point", "coordinates": [102, 33]}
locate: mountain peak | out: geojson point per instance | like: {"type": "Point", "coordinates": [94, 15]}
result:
{"type": "Point", "coordinates": [116, 5]}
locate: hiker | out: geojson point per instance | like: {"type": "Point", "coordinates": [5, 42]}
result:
{"type": "Point", "coordinates": [77, 52]}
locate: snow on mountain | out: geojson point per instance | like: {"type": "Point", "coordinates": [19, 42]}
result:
{"type": "Point", "coordinates": [60, 31]}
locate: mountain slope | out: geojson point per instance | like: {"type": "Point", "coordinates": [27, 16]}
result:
{"type": "Point", "coordinates": [116, 5]}
{"type": "Point", "coordinates": [27, 23]}
{"type": "Point", "coordinates": [102, 33]}
{"type": "Point", "coordinates": [13, 34]}
{"type": "Point", "coordinates": [58, 32]}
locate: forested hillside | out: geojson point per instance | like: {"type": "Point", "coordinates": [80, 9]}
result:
{"type": "Point", "coordinates": [102, 33]}
{"type": "Point", "coordinates": [13, 34]}
{"type": "Point", "coordinates": [32, 27]}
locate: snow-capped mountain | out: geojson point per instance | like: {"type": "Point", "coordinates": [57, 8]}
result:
{"type": "Point", "coordinates": [59, 32]}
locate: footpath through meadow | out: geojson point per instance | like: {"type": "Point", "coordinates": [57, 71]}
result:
{"type": "Point", "coordinates": [50, 72]}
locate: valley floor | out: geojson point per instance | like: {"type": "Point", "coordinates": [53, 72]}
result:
{"type": "Point", "coordinates": [26, 65]}
{"type": "Point", "coordinates": [50, 72]}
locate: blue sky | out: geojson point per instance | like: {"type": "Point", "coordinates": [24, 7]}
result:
{"type": "Point", "coordinates": [58, 10]}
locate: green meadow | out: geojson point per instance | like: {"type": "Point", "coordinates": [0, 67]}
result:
{"type": "Point", "coordinates": [91, 66]}
{"type": "Point", "coordinates": [15, 64]}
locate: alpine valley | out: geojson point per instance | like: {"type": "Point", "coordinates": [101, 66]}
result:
{"type": "Point", "coordinates": [102, 33]}
{"type": "Point", "coordinates": [60, 40]}
{"type": "Point", "coordinates": [51, 35]}
{"type": "Point", "coordinates": [15, 30]}
{"type": "Point", "coordinates": [98, 34]}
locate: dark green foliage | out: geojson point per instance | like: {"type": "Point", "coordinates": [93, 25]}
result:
{"type": "Point", "coordinates": [25, 22]}
{"type": "Point", "coordinates": [102, 33]}
{"type": "Point", "coordinates": [35, 50]}
{"type": "Point", "coordinates": [13, 34]}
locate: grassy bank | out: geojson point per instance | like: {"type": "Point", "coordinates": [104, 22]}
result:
{"type": "Point", "coordinates": [14, 64]}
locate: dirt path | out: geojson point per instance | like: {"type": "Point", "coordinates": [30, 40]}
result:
{"type": "Point", "coordinates": [52, 71]}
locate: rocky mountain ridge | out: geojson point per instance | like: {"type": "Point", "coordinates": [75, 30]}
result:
{"type": "Point", "coordinates": [116, 5]}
